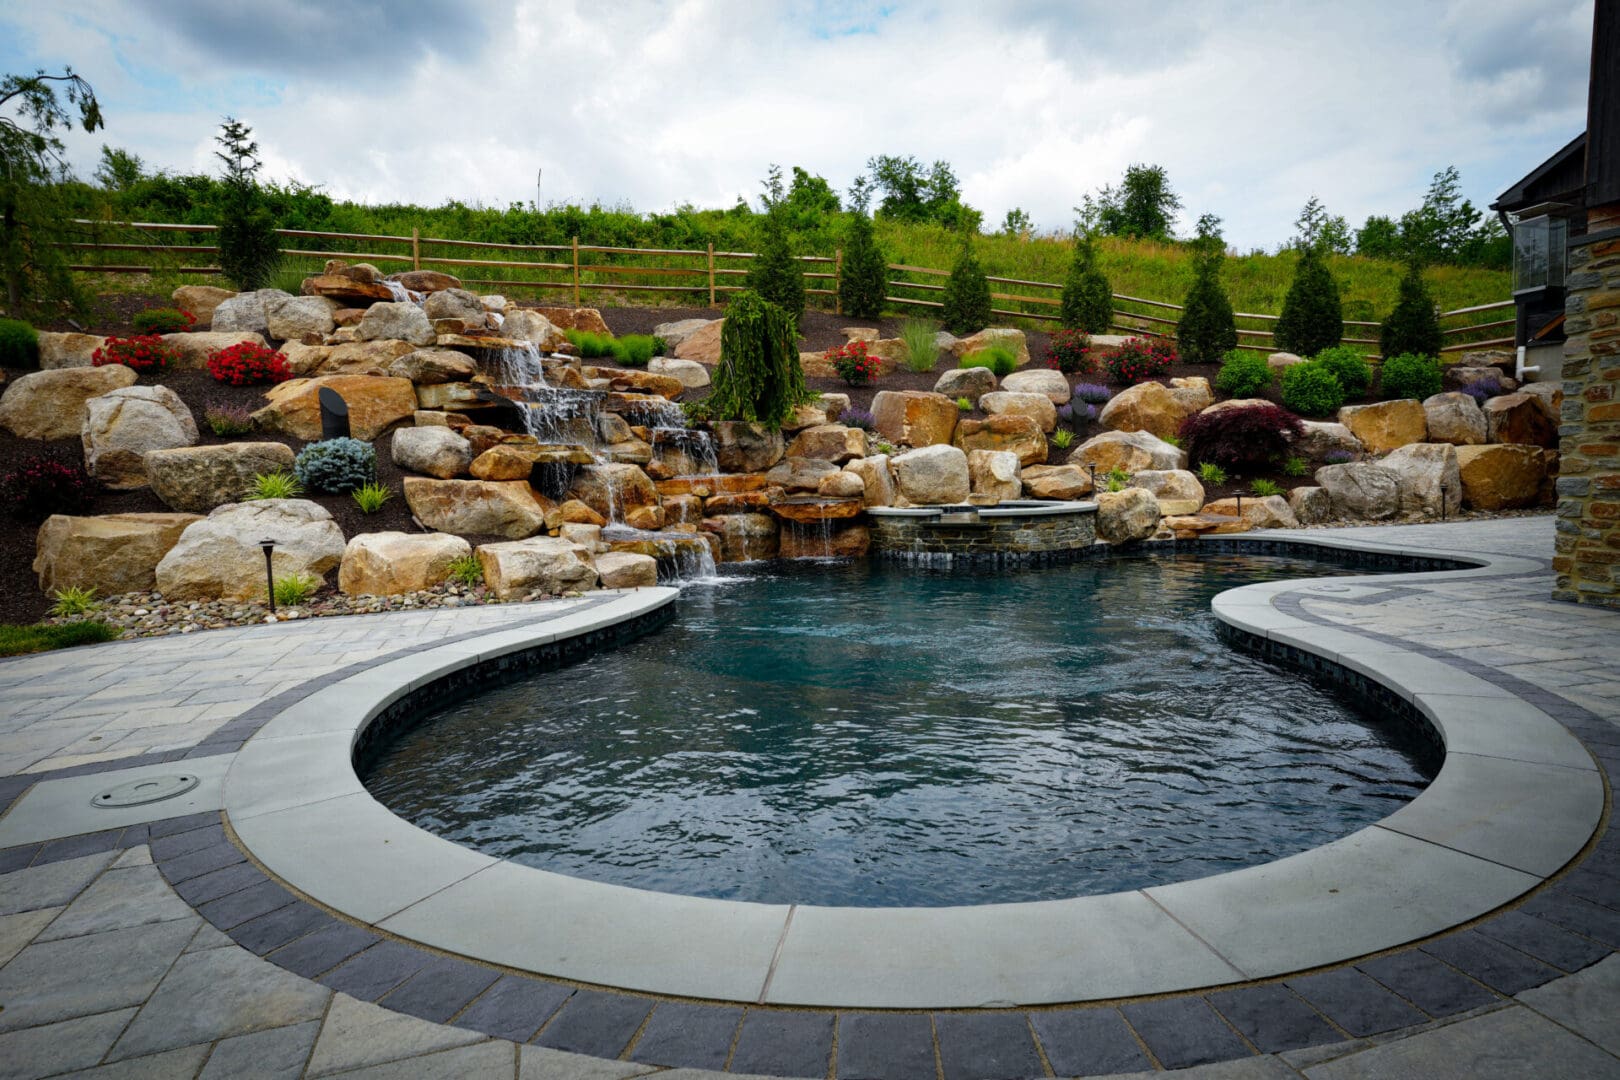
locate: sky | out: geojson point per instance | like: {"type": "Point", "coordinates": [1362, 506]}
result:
{"type": "Point", "coordinates": [1252, 106]}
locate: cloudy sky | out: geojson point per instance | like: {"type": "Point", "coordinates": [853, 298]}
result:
{"type": "Point", "coordinates": [1252, 106]}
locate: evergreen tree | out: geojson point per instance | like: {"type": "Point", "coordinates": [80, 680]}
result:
{"type": "Point", "coordinates": [1207, 331]}
{"type": "Point", "coordinates": [248, 247]}
{"type": "Point", "coordinates": [967, 294]}
{"type": "Point", "coordinates": [1414, 326]}
{"type": "Point", "coordinates": [775, 274]}
{"type": "Point", "coordinates": [759, 378]}
{"type": "Point", "coordinates": [865, 279]}
{"type": "Point", "coordinates": [1088, 299]}
{"type": "Point", "coordinates": [1311, 319]}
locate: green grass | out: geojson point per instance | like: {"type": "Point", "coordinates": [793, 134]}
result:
{"type": "Point", "coordinates": [276, 485]}
{"type": "Point", "coordinates": [370, 497]}
{"type": "Point", "coordinates": [467, 570]}
{"type": "Point", "coordinates": [72, 600]}
{"type": "Point", "coordinates": [922, 348]}
{"type": "Point", "coordinates": [16, 640]}
{"type": "Point", "coordinates": [294, 589]}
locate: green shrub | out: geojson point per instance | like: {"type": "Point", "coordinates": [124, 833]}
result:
{"type": "Point", "coordinates": [1087, 301]}
{"type": "Point", "coordinates": [922, 346]}
{"type": "Point", "coordinates": [633, 350]}
{"type": "Point", "coordinates": [591, 345]}
{"type": "Point", "coordinates": [998, 358]}
{"type": "Point", "coordinates": [1413, 326]}
{"type": "Point", "coordinates": [660, 346]}
{"type": "Point", "coordinates": [19, 344]}
{"type": "Point", "coordinates": [1243, 374]}
{"type": "Point", "coordinates": [1310, 389]}
{"type": "Point", "coordinates": [16, 640]}
{"type": "Point", "coordinates": [964, 404]}
{"type": "Point", "coordinates": [1264, 489]}
{"type": "Point", "coordinates": [1348, 366]}
{"type": "Point", "coordinates": [1410, 376]}
{"type": "Point", "coordinates": [1312, 318]}
{"type": "Point", "coordinates": [467, 570]}
{"type": "Point", "coordinates": [1206, 330]}
{"type": "Point", "coordinates": [1295, 466]}
{"type": "Point", "coordinates": [967, 294]}
{"type": "Point", "coordinates": [336, 466]}
{"type": "Point", "coordinates": [72, 600]}
{"type": "Point", "coordinates": [294, 589]}
{"type": "Point", "coordinates": [1212, 474]}
{"type": "Point", "coordinates": [864, 278]}
{"type": "Point", "coordinates": [370, 497]}
{"type": "Point", "coordinates": [161, 321]}
{"type": "Point", "coordinates": [759, 378]}
{"type": "Point", "coordinates": [276, 485]}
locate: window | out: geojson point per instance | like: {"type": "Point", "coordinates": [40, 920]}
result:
{"type": "Point", "coordinates": [1539, 247]}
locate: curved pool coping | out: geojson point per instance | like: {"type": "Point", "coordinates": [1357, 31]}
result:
{"type": "Point", "coordinates": [1516, 798]}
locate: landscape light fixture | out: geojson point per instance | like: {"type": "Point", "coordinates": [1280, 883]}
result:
{"type": "Point", "coordinates": [269, 546]}
{"type": "Point", "coordinates": [1093, 469]}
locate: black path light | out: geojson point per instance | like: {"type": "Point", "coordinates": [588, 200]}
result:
{"type": "Point", "coordinates": [269, 547]}
{"type": "Point", "coordinates": [334, 414]}
{"type": "Point", "coordinates": [1442, 500]}
{"type": "Point", "coordinates": [1093, 467]}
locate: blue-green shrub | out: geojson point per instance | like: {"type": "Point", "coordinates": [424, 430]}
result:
{"type": "Point", "coordinates": [336, 465]}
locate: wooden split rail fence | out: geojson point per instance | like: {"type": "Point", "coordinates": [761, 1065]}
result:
{"type": "Point", "coordinates": [580, 268]}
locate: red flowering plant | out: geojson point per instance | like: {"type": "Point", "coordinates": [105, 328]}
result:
{"type": "Point", "coordinates": [853, 364]}
{"type": "Point", "coordinates": [1070, 353]}
{"type": "Point", "coordinates": [1139, 359]}
{"type": "Point", "coordinates": [247, 363]}
{"type": "Point", "coordinates": [143, 352]}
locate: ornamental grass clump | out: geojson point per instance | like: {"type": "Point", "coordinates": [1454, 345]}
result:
{"type": "Point", "coordinates": [1410, 376]}
{"type": "Point", "coordinates": [72, 600]}
{"type": "Point", "coordinates": [1070, 353]}
{"type": "Point", "coordinates": [633, 350]}
{"type": "Point", "coordinates": [370, 497]}
{"type": "Point", "coordinates": [142, 353]}
{"type": "Point", "coordinates": [1245, 439]}
{"type": "Point", "coordinates": [1243, 374]}
{"type": "Point", "coordinates": [853, 364]}
{"type": "Point", "coordinates": [759, 378]}
{"type": "Point", "coordinates": [294, 589]}
{"type": "Point", "coordinates": [591, 345]}
{"type": "Point", "coordinates": [1001, 360]}
{"type": "Point", "coordinates": [19, 344]}
{"type": "Point", "coordinates": [248, 363]}
{"type": "Point", "coordinates": [1264, 489]}
{"type": "Point", "coordinates": [1139, 359]}
{"type": "Point", "coordinates": [274, 485]}
{"type": "Point", "coordinates": [921, 339]}
{"type": "Point", "coordinates": [1310, 389]}
{"type": "Point", "coordinates": [466, 570]}
{"type": "Point", "coordinates": [39, 487]}
{"type": "Point", "coordinates": [336, 466]}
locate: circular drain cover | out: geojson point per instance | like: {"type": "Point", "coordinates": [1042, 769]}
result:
{"type": "Point", "coordinates": [141, 792]}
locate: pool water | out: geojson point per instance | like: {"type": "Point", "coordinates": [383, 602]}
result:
{"type": "Point", "coordinates": [860, 734]}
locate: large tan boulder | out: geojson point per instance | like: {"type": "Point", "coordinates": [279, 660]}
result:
{"type": "Point", "coordinates": [1322, 438]}
{"type": "Point", "coordinates": [391, 563]}
{"type": "Point", "coordinates": [1454, 418]}
{"type": "Point", "coordinates": [1521, 419]}
{"type": "Point", "coordinates": [1500, 476]}
{"type": "Point", "coordinates": [1550, 395]}
{"type": "Point", "coordinates": [1052, 384]}
{"type": "Point", "coordinates": [742, 447]}
{"type": "Point", "coordinates": [1020, 434]}
{"type": "Point", "coordinates": [1178, 491]}
{"type": "Point", "coordinates": [67, 350]}
{"type": "Point", "coordinates": [425, 281]}
{"type": "Point", "coordinates": [457, 305]}
{"type": "Point", "coordinates": [1193, 392]}
{"type": "Point", "coordinates": [200, 300]}
{"type": "Point", "coordinates": [614, 490]}
{"type": "Point", "coordinates": [476, 507]}
{"type": "Point", "coordinates": [50, 404]}
{"type": "Point", "coordinates": [375, 405]}
{"type": "Point", "coordinates": [914, 417]}
{"type": "Point", "coordinates": [689, 373]}
{"type": "Point", "coordinates": [1148, 406]}
{"type": "Point", "coordinates": [1006, 337]}
{"type": "Point", "coordinates": [111, 553]}
{"type": "Point", "coordinates": [1386, 425]}
{"type": "Point", "coordinates": [304, 361]}
{"type": "Point", "coordinates": [966, 382]}
{"type": "Point", "coordinates": [1280, 361]}
{"type": "Point", "coordinates": [1427, 474]}
{"type": "Point", "coordinates": [1065, 482]}
{"type": "Point", "coordinates": [121, 426]}
{"type": "Point", "coordinates": [1127, 516]}
{"type": "Point", "coordinates": [434, 451]}
{"type": "Point", "coordinates": [702, 344]}
{"type": "Point", "coordinates": [1361, 489]}
{"type": "Point", "coordinates": [829, 442]}
{"type": "Point", "coordinates": [199, 478]}
{"type": "Point", "coordinates": [930, 475]}
{"type": "Point", "coordinates": [220, 556]}
{"type": "Point", "coordinates": [526, 324]}
{"type": "Point", "coordinates": [746, 537]}
{"type": "Point", "coordinates": [541, 564]}
{"type": "Point", "coordinates": [1131, 451]}
{"type": "Point", "coordinates": [398, 321]}
{"type": "Point", "coordinates": [1270, 512]}
{"type": "Point", "coordinates": [794, 475]}
{"type": "Point", "coordinates": [995, 473]}
{"type": "Point", "coordinates": [587, 319]}
{"type": "Point", "coordinates": [842, 485]}
{"type": "Point", "coordinates": [352, 358]}
{"type": "Point", "coordinates": [678, 331]}
{"type": "Point", "coordinates": [190, 351]}
{"type": "Point", "coordinates": [245, 311]}
{"type": "Point", "coordinates": [289, 318]}
{"type": "Point", "coordinates": [877, 482]}
{"type": "Point", "coordinates": [1311, 505]}
{"type": "Point", "coordinates": [626, 570]}
{"type": "Point", "coordinates": [1037, 407]}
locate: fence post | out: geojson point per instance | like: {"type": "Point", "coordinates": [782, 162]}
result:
{"type": "Point", "coordinates": [416, 248]}
{"type": "Point", "coordinates": [838, 281]}
{"type": "Point", "coordinates": [711, 273]}
{"type": "Point", "coordinates": [576, 271]}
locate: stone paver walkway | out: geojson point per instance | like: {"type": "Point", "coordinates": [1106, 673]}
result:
{"type": "Point", "coordinates": [109, 970]}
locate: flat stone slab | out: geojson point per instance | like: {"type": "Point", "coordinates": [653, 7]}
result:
{"type": "Point", "coordinates": [58, 808]}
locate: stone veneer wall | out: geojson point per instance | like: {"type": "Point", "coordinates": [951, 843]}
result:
{"type": "Point", "coordinates": [1587, 550]}
{"type": "Point", "coordinates": [1034, 540]}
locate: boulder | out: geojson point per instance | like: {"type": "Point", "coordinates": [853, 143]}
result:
{"type": "Point", "coordinates": [477, 507]}
{"type": "Point", "coordinates": [834, 405]}
{"type": "Point", "coordinates": [1270, 512]}
{"type": "Point", "coordinates": [742, 447]}
{"type": "Point", "coordinates": [1311, 505]}
{"type": "Point", "coordinates": [1127, 516]}
{"type": "Point", "coordinates": [1278, 361]}
{"type": "Point", "coordinates": [432, 366]}
{"type": "Point", "coordinates": [702, 344]}
{"type": "Point", "coordinates": [614, 490]}
{"type": "Point", "coordinates": [829, 442]}
{"type": "Point", "coordinates": [306, 361]}
{"type": "Point", "coordinates": [1500, 476]}
{"type": "Point", "coordinates": [1462, 376]}
{"type": "Point", "coordinates": [345, 289]}
{"type": "Point", "coordinates": [245, 311]}
{"type": "Point", "coordinates": [914, 417]}
{"type": "Point", "coordinates": [682, 509]}
{"type": "Point", "coordinates": [1020, 434]}
{"type": "Point", "coordinates": [1066, 482]}
{"type": "Point", "coordinates": [1550, 395]}
{"type": "Point", "coordinates": [994, 473]}
{"type": "Point", "coordinates": [673, 333]}
{"type": "Point", "coordinates": [121, 426]}
{"type": "Point", "coordinates": [1322, 438]}
{"type": "Point", "coordinates": [931, 475]}
{"type": "Point", "coordinates": [67, 350]}
{"type": "Point", "coordinates": [50, 404]}
{"type": "Point", "coordinates": [1178, 491]}
{"type": "Point", "coordinates": [745, 537]}
{"type": "Point", "coordinates": [435, 451]}
{"type": "Point", "coordinates": [391, 563]}
{"type": "Point", "coordinates": [798, 474]}
{"type": "Point", "coordinates": [1132, 451]}
{"type": "Point", "coordinates": [526, 324]}
{"type": "Point", "coordinates": [627, 570]}
{"type": "Point", "coordinates": [110, 553]}
{"type": "Point", "coordinates": [289, 318]}
{"type": "Point", "coordinates": [459, 305]}
{"type": "Point", "coordinates": [220, 556]}
{"type": "Point", "coordinates": [1037, 407]}
{"type": "Point", "coordinates": [1053, 384]}
{"type": "Point", "coordinates": [995, 335]}
{"type": "Point", "coordinates": [1386, 425]}
{"type": "Point", "coordinates": [689, 373]}
{"type": "Point", "coordinates": [859, 333]}
{"type": "Point", "coordinates": [574, 512]}
{"type": "Point", "coordinates": [349, 358]}
{"type": "Point", "coordinates": [580, 318]}
{"type": "Point", "coordinates": [1361, 489]}
{"type": "Point", "coordinates": [190, 351]}
{"type": "Point", "coordinates": [1235, 403]}
{"type": "Point", "coordinates": [644, 382]}
{"type": "Point", "coordinates": [804, 416]}
{"type": "Point", "coordinates": [402, 321]}
{"type": "Point", "coordinates": [541, 564]}
{"type": "Point", "coordinates": [516, 461]}
{"type": "Point", "coordinates": [1454, 418]}
{"type": "Point", "coordinates": [375, 405]}
{"type": "Point", "coordinates": [197, 479]}
{"type": "Point", "coordinates": [1520, 419]}
{"type": "Point", "coordinates": [1193, 392]}
{"type": "Point", "coordinates": [968, 382]}
{"type": "Point", "coordinates": [1148, 406]}
{"type": "Point", "coordinates": [842, 485]}
{"type": "Point", "coordinates": [201, 300]}
{"type": "Point", "coordinates": [425, 281]}
{"type": "Point", "coordinates": [877, 481]}
{"type": "Point", "coordinates": [1428, 478]}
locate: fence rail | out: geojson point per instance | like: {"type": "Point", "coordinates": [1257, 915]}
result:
{"type": "Point", "coordinates": [596, 275]}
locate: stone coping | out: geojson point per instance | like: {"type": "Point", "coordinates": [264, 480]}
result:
{"type": "Point", "coordinates": [1029, 508]}
{"type": "Point", "coordinates": [1516, 798]}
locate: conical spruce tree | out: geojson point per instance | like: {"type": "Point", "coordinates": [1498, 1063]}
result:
{"type": "Point", "coordinates": [1414, 326]}
{"type": "Point", "coordinates": [865, 275]}
{"type": "Point", "coordinates": [967, 294]}
{"type": "Point", "coordinates": [249, 249]}
{"type": "Point", "coordinates": [759, 378]}
{"type": "Point", "coordinates": [775, 274]}
{"type": "Point", "coordinates": [1088, 299]}
{"type": "Point", "coordinates": [1311, 319]}
{"type": "Point", "coordinates": [1206, 331]}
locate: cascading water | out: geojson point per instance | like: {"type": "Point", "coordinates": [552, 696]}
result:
{"type": "Point", "coordinates": [401, 294]}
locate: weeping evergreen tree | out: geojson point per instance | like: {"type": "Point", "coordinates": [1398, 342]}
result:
{"type": "Point", "coordinates": [967, 294]}
{"type": "Point", "coordinates": [1088, 298]}
{"type": "Point", "coordinates": [1207, 331]}
{"type": "Point", "coordinates": [1311, 319]}
{"type": "Point", "coordinates": [775, 274]}
{"type": "Point", "coordinates": [759, 378]}
{"type": "Point", "coordinates": [248, 248]}
{"type": "Point", "coordinates": [1414, 326]}
{"type": "Point", "coordinates": [865, 277]}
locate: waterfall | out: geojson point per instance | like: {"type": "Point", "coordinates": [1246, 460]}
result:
{"type": "Point", "coordinates": [401, 294]}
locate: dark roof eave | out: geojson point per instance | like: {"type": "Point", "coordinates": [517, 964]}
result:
{"type": "Point", "coordinates": [1514, 197]}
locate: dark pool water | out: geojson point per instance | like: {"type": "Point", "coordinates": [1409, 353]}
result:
{"type": "Point", "coordinates": [870, 735]}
